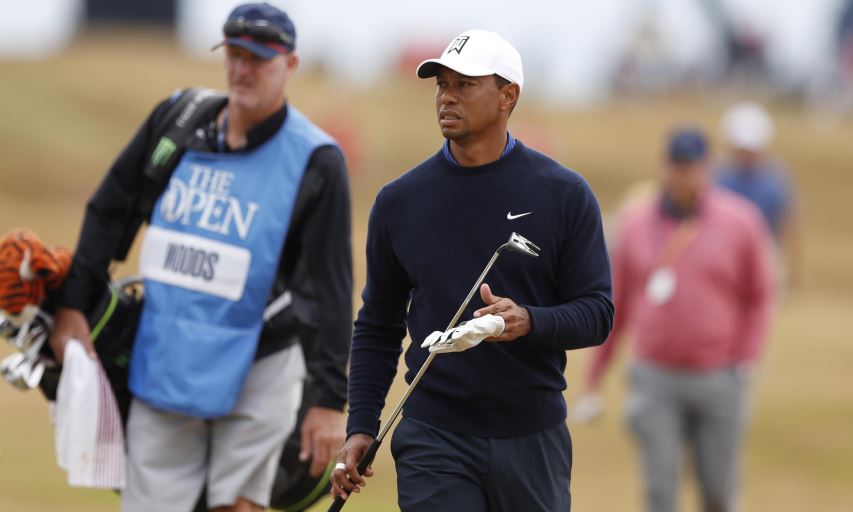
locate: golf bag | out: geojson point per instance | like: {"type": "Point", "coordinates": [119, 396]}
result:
{"type": "Point", "coordinates": [113, 324]}
{"type": "Point", "coordinates": [114, 319]}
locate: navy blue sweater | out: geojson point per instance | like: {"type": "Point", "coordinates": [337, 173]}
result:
{"type": "Point", "coordinates": [431, 232]}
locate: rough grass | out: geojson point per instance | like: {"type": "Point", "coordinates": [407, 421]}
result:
{"type": "Point", "coordinates": [65, 118]}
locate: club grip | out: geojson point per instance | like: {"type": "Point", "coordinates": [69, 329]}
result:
{"type": "Point", "coordinates": [365, 461]}
{"type": "Point", "coordinates": [337, 505]}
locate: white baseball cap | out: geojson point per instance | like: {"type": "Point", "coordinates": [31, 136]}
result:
{"type": "Point", "coordinates": [747, 125]}
{"type": "Point", "coordinates": [478, 53]}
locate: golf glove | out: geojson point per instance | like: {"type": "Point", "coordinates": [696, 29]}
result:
{"type": "Point", "coordinates": [464, 336]}
{"type": "Point", "coordinates": [588, 408]}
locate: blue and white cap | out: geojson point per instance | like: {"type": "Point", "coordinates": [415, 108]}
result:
{"type": "Point", "coordinates": [261, 28]}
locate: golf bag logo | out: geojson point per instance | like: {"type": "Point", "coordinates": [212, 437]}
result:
{"type": "Point", "coordinates": [458, 44]}
{"type": "Point", "coordinates": [163, 152]}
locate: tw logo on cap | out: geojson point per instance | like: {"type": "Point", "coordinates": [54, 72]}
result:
{"type": "Point", "coordinates": [458, 44]}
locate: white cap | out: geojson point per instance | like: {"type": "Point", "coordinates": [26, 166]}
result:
{"type": "Point", "coordinates": [748, 126]}
{"type": "Point", "coordinates": [478, 53]}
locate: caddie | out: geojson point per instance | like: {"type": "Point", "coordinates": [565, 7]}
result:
{"type": "Point", "coordinates": [246, 260]}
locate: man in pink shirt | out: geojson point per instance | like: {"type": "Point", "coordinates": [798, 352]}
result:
{"type": "Point", "coordinates": [692, 277]}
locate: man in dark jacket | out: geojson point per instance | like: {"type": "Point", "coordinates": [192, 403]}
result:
{"type": "Point", "coordinates": [246, 261]}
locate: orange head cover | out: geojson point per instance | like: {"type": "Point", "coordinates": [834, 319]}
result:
{"type": "Point", "coordinates": [28, 268]}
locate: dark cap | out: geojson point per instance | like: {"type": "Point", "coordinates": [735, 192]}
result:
{"type": "Point", "coordinates": [686, 145]}
{"type": "Point", "coordinates": [261, 28]}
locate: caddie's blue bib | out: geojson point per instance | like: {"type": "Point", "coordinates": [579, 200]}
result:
{"type": "Point", "coordinates": [209, 259]}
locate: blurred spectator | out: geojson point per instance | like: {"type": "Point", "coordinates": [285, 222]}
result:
{"type": "Point", "coordinates": [751, 172]}
{"type": "Point", "coordinates": [845, 55]}
{"type": "Point", "coordinates": [845, 42]}
{"type": "Point", "coordinates": [745, 47]}
{"type": "Point", "coordinates": [646, 66]}
{"type": "Point", "coordinates": [693, 278]}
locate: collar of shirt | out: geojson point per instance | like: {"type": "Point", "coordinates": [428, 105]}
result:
{"type": "Point", "coordinates": [445, 149]}
{"type": "Point", "coordinates": [256, 136]}
{"type": "Point", "coordinates": [669, 208]}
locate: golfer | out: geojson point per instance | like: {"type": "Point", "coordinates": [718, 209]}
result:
{"type": "Point", "coordinates": [693, 282]}
{"type": "Point", "coordinates": [485, 428]}
{"type": "Point", "coordinates": [245, 260]}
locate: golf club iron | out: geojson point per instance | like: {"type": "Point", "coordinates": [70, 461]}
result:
{"type": "Point", "coordinates": [516, 243]}
{"type": "Point", "coordinates": [25, 368]}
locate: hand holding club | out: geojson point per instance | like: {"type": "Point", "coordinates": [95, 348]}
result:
{"type": "Point", "coordinates": [346, 478]}
{"type": "Point", "coordinates": [70, 324]}
{"type": "Point", "coordinates": [516, 318]}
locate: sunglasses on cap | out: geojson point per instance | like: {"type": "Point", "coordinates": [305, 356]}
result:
{"type": "Point", "coordinates": [259, 30]}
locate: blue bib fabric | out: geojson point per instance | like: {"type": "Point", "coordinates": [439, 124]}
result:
{"type": "Point", "coordinates": [208, 261]}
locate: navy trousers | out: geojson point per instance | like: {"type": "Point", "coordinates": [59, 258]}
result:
{"type": "Point", "coordinates": [439, 470]}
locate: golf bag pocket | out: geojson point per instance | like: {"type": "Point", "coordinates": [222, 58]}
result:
{"type": "Point", "coordinates": [113, 323]}
{"type": "Point", "coordinates": [198, 369]}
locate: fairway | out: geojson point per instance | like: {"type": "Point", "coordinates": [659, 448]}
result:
{"type": "Point", "coordinates": [65, 118]}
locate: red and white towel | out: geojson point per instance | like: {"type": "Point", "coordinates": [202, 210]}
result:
{"type": "Point", "coordinates": [89, 436]}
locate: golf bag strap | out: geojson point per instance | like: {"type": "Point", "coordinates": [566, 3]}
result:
{"type": "Point", "coordinates": [194, 106]}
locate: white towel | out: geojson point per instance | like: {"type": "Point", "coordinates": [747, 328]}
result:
{"type": "Point", "coordinates": [89, 437]}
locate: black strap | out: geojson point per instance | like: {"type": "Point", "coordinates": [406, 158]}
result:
{"type": "Point", "coordinates": [173, 132]}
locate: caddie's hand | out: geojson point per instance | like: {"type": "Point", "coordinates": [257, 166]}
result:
{"type": "Point", "coordinates": [346, 480]}
{"type": "Point", "coordinates": [323, 431]}
{"type": "Point", "coordinates": [464, 336]}
{"type": "Point", "coordinates": [70, 324]}
{"type": "Point", "coordinates": [588, 408]}
{"type": "Point", "coordinates": [516, 318]}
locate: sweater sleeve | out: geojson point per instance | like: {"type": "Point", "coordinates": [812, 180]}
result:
{"type": "Point", "coordinates": [106, 219]}
{"type": "Point", "coordinates": [585, 315]}
{"type": "Point", "coordinates": [327, 253]}
{"type": "Point", "coordinates": [379, 328]}
{"type": "Point", "coordinates": [758, 290]}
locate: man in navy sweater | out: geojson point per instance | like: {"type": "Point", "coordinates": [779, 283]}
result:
{"type": "Point", "coordinates": [485, 429]}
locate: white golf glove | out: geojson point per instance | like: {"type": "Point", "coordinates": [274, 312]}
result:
{"type": "Point", "coordinates": [465, 335]}
{"type": "Point", "coordinates": [588, 408]}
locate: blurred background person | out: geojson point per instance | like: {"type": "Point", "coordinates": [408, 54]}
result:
{"type": "Point", "coordinates": [844, 56]}
{"type": "Point", "coordinates": [693, 278]}
{"type": "Point", "coordinates": [750, 171]}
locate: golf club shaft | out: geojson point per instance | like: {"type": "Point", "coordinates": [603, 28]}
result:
{"type": "Point", "coordinates": [390, 422]}
{"type": "Point", "coordinates": [370, 454]}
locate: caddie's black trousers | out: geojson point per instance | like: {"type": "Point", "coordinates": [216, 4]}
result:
{"type": "Point", "coordinates": [441, 470]}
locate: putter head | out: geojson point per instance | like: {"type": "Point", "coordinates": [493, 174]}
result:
{"type": "Point", "coordinates": [518, 243]}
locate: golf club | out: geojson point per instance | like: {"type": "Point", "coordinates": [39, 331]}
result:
{"type": "Point", "coordinates": [25, 368]}
{"type": "Point", "coordinates": [516, 243]}
{"type": "Point", "coordinates": [9, 365]}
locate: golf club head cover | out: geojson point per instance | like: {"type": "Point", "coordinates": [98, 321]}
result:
{"type": "Point", "coordinates": [465, 335]}
{"type": "Point", "coordinates": [29, 269]}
